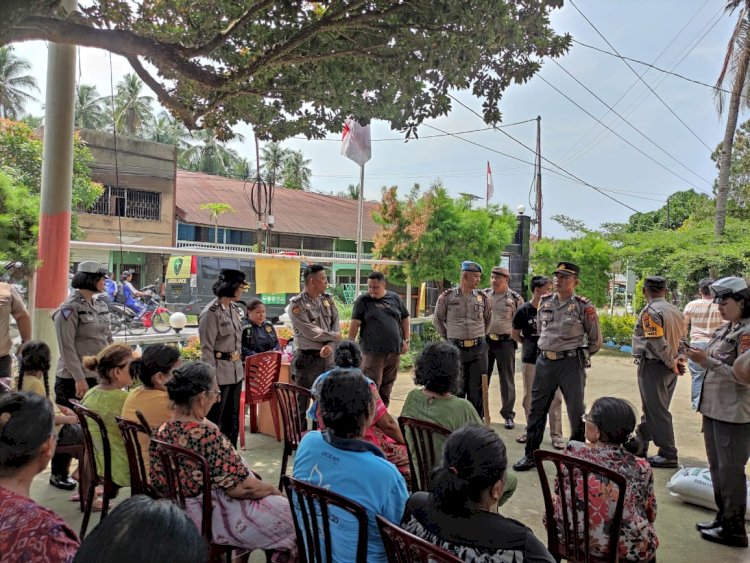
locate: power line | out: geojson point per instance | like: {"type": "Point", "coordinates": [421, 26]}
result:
{"type": "Point", "coordinates": [666, 105]}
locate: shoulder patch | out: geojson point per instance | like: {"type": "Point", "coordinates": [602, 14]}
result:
{"type": "Point", "coordinates": [651, 328]}
{"type": "Point", "coordinates": [744, 343]}
{"type": "Point", "coordinates": [66, 312]}
{"type": "Point", "coordinates": [296, 310]}
{"type": "Point", "coordinates": [590, 312]}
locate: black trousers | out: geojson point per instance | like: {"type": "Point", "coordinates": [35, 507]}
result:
{"type": "Point", "coordinates": [5, 365]}
{"type": "Point", "coordinates": [474, 364]}
{"type": "Point", "coordinates": [657, 384]}
{"type": "Point", "coordinates": [226, 413]}
{"type": "Point", "coordinates": [570, 377]}
{"type": "Point", "coordinates": [504, 353]}
{"type": "Point", "coordinates": [728, 449]}
{"type": "Point", "coordinates": [65, 390]}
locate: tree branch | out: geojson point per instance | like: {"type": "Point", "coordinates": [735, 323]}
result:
{"type": "Point", "coordinates": [183, 112]}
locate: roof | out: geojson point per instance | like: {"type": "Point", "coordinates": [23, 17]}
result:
{"type": "Point", "coordinates": [294, 211]}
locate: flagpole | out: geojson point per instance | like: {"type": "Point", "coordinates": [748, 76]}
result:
{"type": "Point", "coordinates": [360, 208]}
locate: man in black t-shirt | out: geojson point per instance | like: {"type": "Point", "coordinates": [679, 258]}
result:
{"type": "Point", "coordinates": [525, 333]}
{"type": "Point", "coordinates": [382, 321]}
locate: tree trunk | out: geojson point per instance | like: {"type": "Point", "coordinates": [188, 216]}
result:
{"type": "Point", "coordinates": [725, 160]}
{"type": "Point", "coordinates": [216, 230]}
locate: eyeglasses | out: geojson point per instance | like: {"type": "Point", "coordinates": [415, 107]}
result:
{"type": "Point", "coordinates": [587, 418]}
{"type": "Point", "coordinates": [217, 393]}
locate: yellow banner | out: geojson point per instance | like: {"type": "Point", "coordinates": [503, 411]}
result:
{"type": "Point", "coordinates": [178, 269]}
{"type": "Point", "coordinates": [422, 305]}
{"type": "Point", "coordinates": [277, 276]}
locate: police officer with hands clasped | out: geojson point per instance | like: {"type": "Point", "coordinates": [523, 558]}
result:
{"type": "Point", "coordinates": [565, 321]}
{"type": "Point", "coordinates": [462, 316]}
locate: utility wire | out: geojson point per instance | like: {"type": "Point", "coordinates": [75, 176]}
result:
{"type": "Point", "coordinates": [666, 105]}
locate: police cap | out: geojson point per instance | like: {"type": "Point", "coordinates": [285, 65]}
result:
{"type": "Point", "coordinates": [232, 277]}
{"type": "Point", "coordinates": [499, 270]}
{"type": "Point", "coordinates": [568, 269]}
{"type": "Point", "coordinates": [92, 268]}
{"type": "Point", "coordinates": [469, 266]}
{"type": "Point", "coordinates": [729, 287]}
{"type": "Point", "coordinates": [655, 283]}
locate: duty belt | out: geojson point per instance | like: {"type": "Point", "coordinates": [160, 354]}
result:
{"type": "Point", "coordinates": [466, 343]}
{"type": "Point", "coordinates": [498, 337]}
{"type": "Point", "coordinates": [309, 352]}
{"type": "Point", "coordinates": [228, 356]}
{"type": "Point", "coordinates": [549, 355]}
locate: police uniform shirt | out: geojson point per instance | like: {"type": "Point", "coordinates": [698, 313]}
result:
{"type": "Point", "coordinates": [657, 331]}
{"type": "Point", "coordinates": [315, 321]}
{"type": "Point", "coordinates": [503, 305]}
{"type": "Point", "coordinates": [258, 338]}
{"type": "Point", "coordinates": [460, 316]}
{"type": "Point", "coordinates": [562, 324]}
{"type": "Point", "coordinates": [82, 329]}
{"type": "Point", "coordinates": [220, 330]}
{"type": "Point", "coordinates": [10, 304]}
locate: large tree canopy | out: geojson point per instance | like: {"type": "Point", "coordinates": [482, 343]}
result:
{"type": "Point", "coordinates": [292, 68]}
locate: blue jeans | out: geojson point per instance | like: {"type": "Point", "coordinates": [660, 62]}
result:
{"type": "Point", "coordinates": [696, 373]}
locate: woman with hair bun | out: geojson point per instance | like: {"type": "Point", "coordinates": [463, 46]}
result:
{"type": "Point", "coordinates": [609, 427]}
{"type": "Point", "coordinates": [106, 399]}
{"type": "Point", "coordinates": [29, 532]}
{"type": "Point", "coordinates": [460, 513]}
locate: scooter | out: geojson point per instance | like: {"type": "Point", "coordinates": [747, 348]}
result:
{"type": "Point", "coordinates": [155, 315]}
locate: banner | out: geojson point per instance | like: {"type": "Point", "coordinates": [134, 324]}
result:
{"type": "Point", "coordinates": [277, 276]}
{"type": "Point", "coordinates": [490, 187]}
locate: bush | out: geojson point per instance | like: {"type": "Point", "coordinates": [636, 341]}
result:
{"type": "Point", "coordinates": [191, 351]}
{"type": "Point", "coordinates": [617, 328]}
{"type": "Point", "coordinates": [424, 334]}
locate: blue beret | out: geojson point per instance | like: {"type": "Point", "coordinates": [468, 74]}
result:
{"type": "Point", "coordinates": [468, 266]}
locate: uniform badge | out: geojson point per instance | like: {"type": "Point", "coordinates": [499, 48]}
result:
{"type": "Point", "coordinates": [269, 329]}
{"type": "Point", "coordinates": [571, 307]}
{"type": "Point", "coordinates": [326, 303]}
{"type": "Point", "coordinates": [66, 313]}
{"type": "Point", "coordinates": [590, 312]}
{"type": "Point", "coordinates": [651, 329]}
{"type": "Point", "coordinates": [479, 299]}
{"type": "Point", "coordinates": [744, 343]}
{"type": "Point", "coordinates": [296, 310]}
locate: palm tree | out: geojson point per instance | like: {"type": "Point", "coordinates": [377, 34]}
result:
{"type": "Point", "coordinates": [132, 110]}
{"type": "Point", "coordinates": [33, 121]}
{"type": "Point", "coordinates": [168, 130]}
{"type": "Point", "coordinates": [15, 84]}
{"type": "Point", "coordinates": [297, 171]}
{"type": "Point", "coordinates": [211, 155]}
{"type": "Point", "coordinates": [272, 158]}
{"type": "Point", "coordinates": [90, 108]}
{"type": "Point", "coordinates": [734, 69]}
{"type": "Point", "coordinates": [214, 211]}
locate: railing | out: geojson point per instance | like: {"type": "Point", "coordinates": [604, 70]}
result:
{"type": "Point", "coordinates": [273, 250]}
{"type": "Point", "coordinates": [217, 246]}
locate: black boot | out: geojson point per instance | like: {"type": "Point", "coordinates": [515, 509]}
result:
{"type": "Point", "coordinates": [728, 533]}
{"type": "Point", "coordinates": [707, 525]}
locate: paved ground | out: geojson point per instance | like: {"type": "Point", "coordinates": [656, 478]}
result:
{"type": "Point", "coordinates": [610, 375]}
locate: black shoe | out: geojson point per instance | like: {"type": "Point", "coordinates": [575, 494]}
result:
{"type": "Point", "coordinates": [524, 464]}
{"type": "Point", "coordinates": [736, 538]}
{"type": "Point", "coordinates": [662, 462]}
{"type": "Point", "coordinates": [509, 424]}
{"type": "Point", "coordinates": [64, 483]}
{"type": "Point", "coordinates": [707, 525]}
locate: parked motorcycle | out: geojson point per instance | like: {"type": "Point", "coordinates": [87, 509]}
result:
{"type": "Point", "coordinates": [155, 315]}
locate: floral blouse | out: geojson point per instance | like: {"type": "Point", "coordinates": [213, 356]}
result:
{"type": "Point", "coordinates": [225, 465]}
{"type": "Point", "coordinates": [638, 541]}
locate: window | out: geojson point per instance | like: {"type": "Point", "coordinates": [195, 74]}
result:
{"type": "Point", "coordinates": [127, 202]}
{"type": "Point", "coordinates": [317, 243]}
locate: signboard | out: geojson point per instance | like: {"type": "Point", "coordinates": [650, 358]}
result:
{"type": "Point", "coordinates": [273, 298]}
{"type": "Point", "coordinates": [178, 269]}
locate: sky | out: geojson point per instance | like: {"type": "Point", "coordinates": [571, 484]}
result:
{"type": "Point", "coordinates": [678, 123]}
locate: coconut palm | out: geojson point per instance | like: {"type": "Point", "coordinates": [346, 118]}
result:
{"type": "Point", "coordinates": [297, 171]}
{"type": "Point", "coordinates": [168, 130]}
{"type": "Point", "coordinates": [132, 110]}
{"type": "Point", "coordinates": [90, 108]}
{"type": "Point", "coordinates": [735, 71]}
{"type": "Point", "coordinates": [210, 155]}
{"type": "Point", "coordinates": [272, 158]}
{"type": "Point", "coordinates": [15, 84]}
{"type": "Point", "coordinates": [215, 210]}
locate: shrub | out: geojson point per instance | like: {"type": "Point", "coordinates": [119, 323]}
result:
{"type": "Point", "coordinates": [191, 351]}
{"type": "Point", "coordinates": [419, 339]}
{"type": "Point", "coordinates": [617, 328]}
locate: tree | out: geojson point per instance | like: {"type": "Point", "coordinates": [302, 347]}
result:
{"type": "Point", "coordinates": [215, 210]}
{"type": "Point", "coordinates": [90, 108]}
{"type": "Point", "coordinates": [297, 171]}
{"type": "Point", "coordinates": [672, 215]}
{"type": "Point", "coordinates": [293, 68]}
{"type": "Point", "coordinates": [272, 158]}
{"type": "Point", "coordinates": [434, 233]}
{"type": "Point", "coordinates": [210, 155]}
{"type": "Point", "coordinates": [19, 222]}
{"type": "Point", "coordinates": [166, 129]}
{"type": "Point", "coordinates": [132, 110]}
{"type": "Point", "coordinates": [738, 190]}
{"type": "Point", "coordinates": [15, 84]}
{"type": "Point", "coordinates": [736, 62]}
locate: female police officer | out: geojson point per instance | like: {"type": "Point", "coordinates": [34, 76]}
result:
{"type": "Point", "coordinates": [220, 331]}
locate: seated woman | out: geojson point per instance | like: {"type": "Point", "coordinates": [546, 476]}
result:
{"type": "Point", "coordinates": [154, 369]}
{"type": "Point", "coordinates": [258, 334]}
{"type": "Point", "coordinates": [29, 532]}
{"type": "Point", "coordinates": [248, 512]}
{"type": "Point", "coordinates": [135, 530]}
{"type": "Point", "coordinates": [106, 399]}
{"type": "Point", "coordinates": [33, 375]}
{"type": "Point", "coordinates": [383, 430]}
{"type": "Point", "coordinates": [338, 459]}
{"type": "Point", "coordinates": [609, 432]}
{"type": "Point", "coordinates": [460, 514]}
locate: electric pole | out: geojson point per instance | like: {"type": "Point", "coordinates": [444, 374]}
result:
{"type": "Point", "coordinates": [538, 165]}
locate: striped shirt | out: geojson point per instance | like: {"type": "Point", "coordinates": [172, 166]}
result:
{"type": "Point", "coordinates": [703, 318]}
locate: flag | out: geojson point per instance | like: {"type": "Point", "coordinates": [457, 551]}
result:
{"type": "Point", "coordinates": [490, 187]}
{"type": "Point", "coordinates": [355, 142]}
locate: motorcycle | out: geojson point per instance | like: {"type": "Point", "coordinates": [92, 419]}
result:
{"type": "Point", "coordinates": [154, 315]}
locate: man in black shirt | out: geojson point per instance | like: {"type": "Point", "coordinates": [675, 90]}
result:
{"type": "Point", "coordinates": [384, 323]}
{"type": "Point", "coordinates": [526, 334]}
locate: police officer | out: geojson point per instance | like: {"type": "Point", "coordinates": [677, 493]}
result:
{"type": "Point", "coordinates": [11, 305]}
{"type": "Point", "coordinates": [220, 331]}
{"type": "Point", "coordinates": [462, 316]}
{"type": "Point", "coordinates": [566, 321]}
{"type": "Point", "coordinates": [258, 334]}
{"type": "Point", "coordinates": [315, 321]}
{"type": "Point", "coordinates": [82, 327]}
{"type": "Point", "coordinates": [501, 347]}
{"type": "Point", "coordinates": [656, 344]}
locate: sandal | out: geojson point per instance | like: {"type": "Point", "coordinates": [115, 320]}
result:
{"type": "Point", "coordinates": [558, 444]}
{"type": "Point", "coordinates": [522, 439]}
{"type": "Point", "coordinates": [75, 497]}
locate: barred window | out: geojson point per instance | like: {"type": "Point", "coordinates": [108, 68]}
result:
{"type": "Point", "coordinates": [127, 202]}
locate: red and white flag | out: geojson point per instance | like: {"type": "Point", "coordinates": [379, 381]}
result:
{"type": "Point", "coordinates": [490, 187]}
{"type": "Point", "coordinates": [355, 142]}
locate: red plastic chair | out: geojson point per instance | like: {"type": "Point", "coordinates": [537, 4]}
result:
{"type": "Point", "coordinates": [261, 372]}
{"type": "Point", "coordinates": [575, 545]}
{"type": "Point", "coordinates": [420, 445]}
{"type": "Point", "coordinates": [293, 401]}
{"type": "Point", "coordinates": [404, 547]}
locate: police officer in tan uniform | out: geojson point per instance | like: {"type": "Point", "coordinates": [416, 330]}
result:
{"type": "Point", "coordinates": [566, 323]}
{"type": "Point", "coordinates": [11, 304]}
{"type": "Point", "coordinates": [501, 347]}
{"type": "Point", "coordinates": [220, 331]}
{"type": "Point", "coordinates": [315, 321]}
{"type": "Point", "coordinates": [656, 346]}
{"type": "Point", "coordinates": [82, 328]}
{"type": "Point", "coordinates": [462, 316]}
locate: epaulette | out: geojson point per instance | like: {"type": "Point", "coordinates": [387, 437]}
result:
{"type": "Point", "coordinates": [324, 294]}
{"type": "Point", "coordinates": [515, 294]}
{"type": "Point", "coordinates": [582, 299]}
{"type": "Point", "coordinates": [546, 296]}
{"type": "Point", "coordinates": [295, 298]}
{"type": "Point", "coordinates": [214, 305]}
